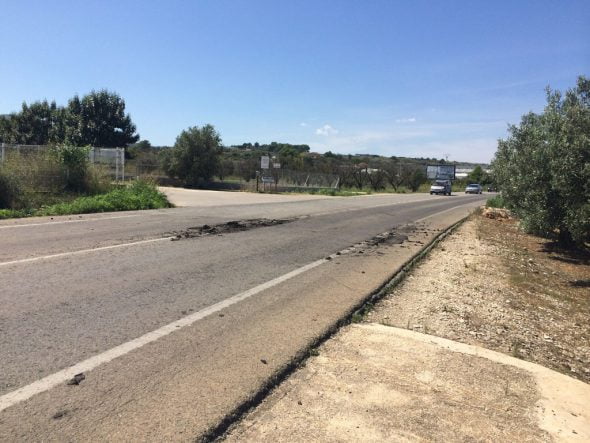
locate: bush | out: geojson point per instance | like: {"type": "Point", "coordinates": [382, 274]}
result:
{"type": "Point", "coordinates": [12, 213]}
{"type": "Point", "coordinates": [140, 195]}
{"type": "Point", "coordinates": [96, 180]}
{"type": "Point", "coordinates": [496, 202]}
{"type": "Point", "coordinates": [11, 191]}
{"type": "Point", "coordinates": [75, 163]}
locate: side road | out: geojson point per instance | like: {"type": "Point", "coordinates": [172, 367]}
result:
{"type": "Point", "coordinates": [443, 357]}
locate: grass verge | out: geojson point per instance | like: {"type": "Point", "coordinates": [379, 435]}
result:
{"type": "Point", "coordinates": [140, 195]}
{"type": "Point", "coordinates": [13, 213]}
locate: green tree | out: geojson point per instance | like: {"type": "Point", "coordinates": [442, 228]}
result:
{"type": "Point", "coordinates": [476, 175]}
{"type": "Point", "coordinates": [393, 173]}
{"type": "Point", "coordinates": [143, 146]}
{"type": "Point", "coordinates": [6, 129]}
{"type": "Point", "coordinates": [225, 168]}
{"type": "Point", "coordinates": [543, 167]}
{"type": "Point", "coordinates": [195, 156]}
{"type": "Point", "coordinates": [39, 123]}
{"type": "Point", "coordinates": [414, 178]}
{"type": "Point", "coordinates": [99, 119]}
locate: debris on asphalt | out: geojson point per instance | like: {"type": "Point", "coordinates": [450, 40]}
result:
{"type": "Point", "coordinates": [226, 228]}
{"type": "Point", "coordinates": [77, 379]}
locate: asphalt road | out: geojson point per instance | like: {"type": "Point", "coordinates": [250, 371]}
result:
{"type": "Point", "coordinates": [74, 288]}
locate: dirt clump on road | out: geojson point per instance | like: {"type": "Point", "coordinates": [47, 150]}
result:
{"type": "Point", "coordinates": [491, 285]}
{"type": "Point", "coordinates": [226, 228]}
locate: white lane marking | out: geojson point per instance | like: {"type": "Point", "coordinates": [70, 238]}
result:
{"type": "Point", "coordinates": [49, 382]}
{"type": "Point", "coordinates": [83, 251]}
{"type": "Point", "coordinates": [68, 221]}
{"type": "Point", "coordinates": [419, 200]}
{"type": "Point", "coordinates": [446, 210]}
{"type": "Point", "coordinates": [338, 211]}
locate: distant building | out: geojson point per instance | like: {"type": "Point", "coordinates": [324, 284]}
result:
{"type": "Point", "coordinates": [461, 173]}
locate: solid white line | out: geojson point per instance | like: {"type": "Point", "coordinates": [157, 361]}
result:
{"type": "Point", "coordinates": [338, 211]}
{"type": "Point", "coordinates": [67, 221]}
{"type": "Point", "coordinates": [62, 376]}
{"type": "Point", "coordinates": [83, 251]}
{"type": "Point", "coordinates": [442, 212]}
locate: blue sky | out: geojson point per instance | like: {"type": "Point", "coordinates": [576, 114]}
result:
{"type": "Point", "coordinates": [418, 78]}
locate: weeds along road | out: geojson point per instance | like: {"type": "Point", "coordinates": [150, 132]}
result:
{"type": "Point", "coordinates": [172, 336]}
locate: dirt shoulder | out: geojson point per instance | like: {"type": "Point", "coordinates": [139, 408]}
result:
{"type": "Point", "coordinates": [446, 356]}
{"type": "Point", "coordinates": [491, 285]}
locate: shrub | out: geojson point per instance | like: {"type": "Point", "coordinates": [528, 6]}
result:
{"type": "Point", "coordinates": [96, 180]}
{"type": "Point", "coordinates": [13, 213]}
{"type": "Point", "coordinates": [74, 161]}
{"type": "Point", "coordinates": [496, 202]}
{"type": "Point", "coordinates": [140, 195]}
{"type": "Point", "coordinates": [11, 191]}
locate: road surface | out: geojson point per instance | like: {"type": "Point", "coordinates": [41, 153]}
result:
{"type": "Point", "coordinates": [173, 336]}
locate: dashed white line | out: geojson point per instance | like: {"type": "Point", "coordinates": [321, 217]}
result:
{"type": "Point", "coordinates": [26, 225]}
{"type": "Point", "coordinates": [83, 251]}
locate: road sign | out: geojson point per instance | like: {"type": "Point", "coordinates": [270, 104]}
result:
{"type": "Point", "coordinates": [440, 172]}
{"type": "Point", "coordinates": [265, 162]}
{"type": "Point", "coordinates": [276, 166]}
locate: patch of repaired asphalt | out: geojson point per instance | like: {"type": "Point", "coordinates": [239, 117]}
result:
{"type": "Point", "coordinates": [227, 227]}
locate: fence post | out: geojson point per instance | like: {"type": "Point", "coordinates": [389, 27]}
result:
{"type": "Point", "coordinates": [117, 167]}
{"type": "Point", "coordinates": [123, 162]}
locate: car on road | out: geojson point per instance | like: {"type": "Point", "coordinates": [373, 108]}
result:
{"type": "Point", "coordinates": [473, 188]}
{"type": "Point", "coordinates": [441, 187]}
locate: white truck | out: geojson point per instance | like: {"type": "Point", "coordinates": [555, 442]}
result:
{"type": "Point", "coordinates": [441, 187]}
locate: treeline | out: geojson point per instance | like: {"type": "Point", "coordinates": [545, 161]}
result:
{"type": "Point", "coordinates": [198, 156]}
{"type": "Point", "coordinates": [196, 162]}
{"type": "Point", "coordinates": [274, 147]}
{"type": "Point", "coordinates": [97, 119]}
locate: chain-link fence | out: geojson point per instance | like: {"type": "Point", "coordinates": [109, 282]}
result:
{"type": "Point", "coordinates": [34, 157]}
{"type": "Point", "coordinates": [302, 179]}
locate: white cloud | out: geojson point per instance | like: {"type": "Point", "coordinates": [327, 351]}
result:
{"type": "Point", "coordinates": [303, 124]}
{"type": "Point", "coordinates": [463, 141]}
{"type": "Point", "coordinates": [406, 120]}
{"type": "Point", "coordinates": [326, 130]}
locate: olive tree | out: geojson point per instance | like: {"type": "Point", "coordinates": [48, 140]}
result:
{"type": "Point", "coordinates": [543, 167]}
{"type": "Point", "coordinates": [194, 159]}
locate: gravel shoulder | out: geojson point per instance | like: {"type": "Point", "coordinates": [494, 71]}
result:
{"type": "Point", "coordinates": [486, 340]}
